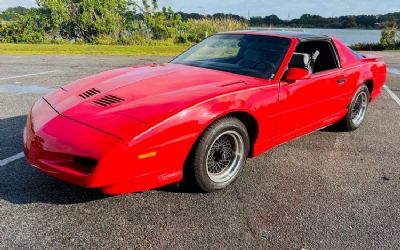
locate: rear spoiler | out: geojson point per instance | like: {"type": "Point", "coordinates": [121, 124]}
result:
{"type": "Point", "coordinates": [370, 58]}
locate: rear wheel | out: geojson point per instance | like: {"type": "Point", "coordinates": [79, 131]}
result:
{"type": "Point", "coordinates": [357, 110]}
{"type": "Point", "coordinates": [220, 154]}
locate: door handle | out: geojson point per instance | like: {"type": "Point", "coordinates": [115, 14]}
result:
{"type": "Point", "coordinates": [342, 80]}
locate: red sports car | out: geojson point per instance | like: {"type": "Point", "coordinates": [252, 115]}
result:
{"type": "Point", "coordinates": [232, 96]}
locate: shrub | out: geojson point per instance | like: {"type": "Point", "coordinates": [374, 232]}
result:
{"type": "Point", "coordinates": [197, 30]}
{"type": "Point", "coordinates": [390, 39]}
{"type": "Point", "coordinates": [390, 36]}
{"type": "Point", "coordinates": [162, 24]}
{"type": "Point", "coordinates": [367, 46]}
{"type": "Point", "coordinates": [27, 29]}
{"type": "Point", "coordinates": [103, 39]}
{"type": "Point", "coordinates": [123, 22]}
{"type": "Point", "coordinates": [182, 38]}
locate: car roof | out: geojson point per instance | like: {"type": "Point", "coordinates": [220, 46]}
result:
{"type": "Point", "coordinates": [301, 36]}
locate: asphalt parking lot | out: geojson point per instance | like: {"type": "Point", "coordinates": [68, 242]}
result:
{"type": "Point", "coordinates": [327, 190]}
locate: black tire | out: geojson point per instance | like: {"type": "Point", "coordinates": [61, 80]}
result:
{"type": "Point", "coordinates": [225, 131]}
{"type": "Point", "coordinates": [348, 123]}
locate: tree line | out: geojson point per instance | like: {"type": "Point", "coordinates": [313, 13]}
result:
{"type": "Point", "coordinates": [144, 22]}
{"type": "Point", "coordinates": [305, 21]}
{"type": "Point", "coordinates": [310, 21]}
{"type": "Point", "coordinates": [342, 22]}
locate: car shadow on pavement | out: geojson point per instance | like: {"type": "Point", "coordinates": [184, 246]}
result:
{"type": "Point", "coordinates": [182, 187]}
{"type": "Point", "coordinates": [335, 128]}
{"type": "Point", "coordinates": [22, 184]}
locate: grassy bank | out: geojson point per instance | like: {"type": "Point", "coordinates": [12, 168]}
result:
{"type": "Point", "coordinates": [85, 49]}
{"type": "Point", "coordinates": [116, 50]}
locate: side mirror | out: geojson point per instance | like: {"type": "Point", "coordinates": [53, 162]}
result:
{"type": "Point", "coordinates": [295, 74]}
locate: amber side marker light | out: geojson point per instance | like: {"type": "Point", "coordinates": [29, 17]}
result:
{"type": "Point", "coordinates": [147, 155]}
{"type": "Point", "coordinates": [29, 122]}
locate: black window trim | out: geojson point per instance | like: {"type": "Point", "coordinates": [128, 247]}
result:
{"type": "Point", "coordinates": [335, 53]}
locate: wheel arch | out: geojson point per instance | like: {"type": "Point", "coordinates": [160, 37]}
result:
{"type": "Point", "coordinates": [246, 118]}
{"type": "Point", "coordinates": [370, 85]}
{"type": "Point", "coordinates": [251, 124]}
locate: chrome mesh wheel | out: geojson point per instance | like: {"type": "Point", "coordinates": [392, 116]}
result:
{"type": "Point", "coordinates": [359, 108]}
{"type": "Point", "coordinates": [225, 156]}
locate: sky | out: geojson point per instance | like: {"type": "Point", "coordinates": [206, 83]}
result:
{"type": "Point", "coordinates": [284, 9]}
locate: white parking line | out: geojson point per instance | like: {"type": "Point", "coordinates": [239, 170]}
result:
{"type": "Point", "coordinates": [11, 159]}
{"type": "Point", "coordinates": [392, 94]}
{"type": "Point", "coordinates": [34, 74]}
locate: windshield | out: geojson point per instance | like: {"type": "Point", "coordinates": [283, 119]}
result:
{"type": "Point", "coordinates": [251, 55]}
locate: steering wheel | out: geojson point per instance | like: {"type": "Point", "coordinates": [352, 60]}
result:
{"type": "Point", "coordinates": [271, 65]}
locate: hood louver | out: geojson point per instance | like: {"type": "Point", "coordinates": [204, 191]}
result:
{"type": "Point", "coordinates": [108, 100]}
{"type": "Point", "coordinates": [89, 93]}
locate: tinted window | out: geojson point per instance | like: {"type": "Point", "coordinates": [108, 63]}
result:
{"type": "Point", "coordinates": [252, 55]}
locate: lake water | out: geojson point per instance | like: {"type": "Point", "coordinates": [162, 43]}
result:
{"type": "Point", "coordinates": [350, 36]}
{"type": "Point", "coordinates": [347, 36]}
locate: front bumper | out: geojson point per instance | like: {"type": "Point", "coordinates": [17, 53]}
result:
{"type": "Point", "coordinates": [64, 148]}
{"type": "Point", "coordinates": [84, 156]}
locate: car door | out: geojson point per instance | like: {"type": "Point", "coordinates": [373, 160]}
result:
{"type": "Point", "coordinates": [309, 104]}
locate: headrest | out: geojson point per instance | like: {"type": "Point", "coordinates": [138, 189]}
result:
{"type": "Point", "coordinates": [300, 60]}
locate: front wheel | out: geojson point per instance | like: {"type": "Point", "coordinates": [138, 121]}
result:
{"type": "Point", "coordinates": [357, 109]}
{"type": "Point", "coordinates": [220, 154]}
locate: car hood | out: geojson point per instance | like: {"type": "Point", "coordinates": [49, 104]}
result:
{"type": "Point", "coordinates": [122, 100]}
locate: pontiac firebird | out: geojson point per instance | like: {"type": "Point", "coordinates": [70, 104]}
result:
{"type": "Point", "coordinates": [230, 97]}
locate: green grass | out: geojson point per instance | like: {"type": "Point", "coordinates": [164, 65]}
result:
{"type": "Point", "coordinates": [86, 49]}
{"type": "Point", "coordinates": [162, 49]}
